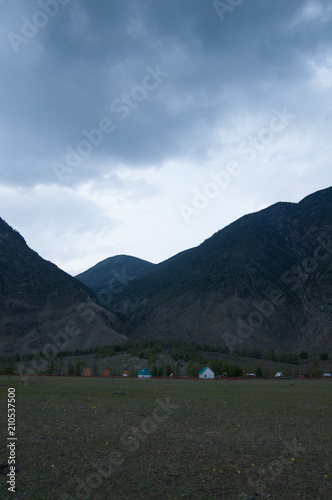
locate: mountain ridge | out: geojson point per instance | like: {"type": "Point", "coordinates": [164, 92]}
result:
{"type": "Point", "coordinates": [109, 272]}
{"type": "Point", "coordinates": [263, 281]}
{"type": "Point", "coordinates": [201, 294]}
{"type": "Point", "coordinates": [41, 305]}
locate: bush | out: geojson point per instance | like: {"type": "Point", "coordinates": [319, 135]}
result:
{"type": "Point", "coordinates": [79, 365]}
{"type": "Point", "coordinates": [9, 370]}
{"type": "Point", "coordinates": [324, 356]}
{"type": "Point", "coordinates": [231, 370]}
{"type": "Point", "coordinates": [303, 355]}
{"type": "Point", "coordinates": [259, 372]}
{"type": "Point", "coordinates": [51, 368]}
{"type": "Point", "coordinates": [288, 358]}
{"type": "Point", "coordinates": [271, 355]}
{"type": "Point", "coordinates": [313, 369]}
{"type": "Point", "coordinates": [70, 369]}
{"type": "Point", "coordinates": [193, 369]}
{"type": "Point", "coordinates": [216, 366]}
{"type": "Point", "coordinates": [169, 370]}
{"type": "Point", "coordinates": [238, 371]}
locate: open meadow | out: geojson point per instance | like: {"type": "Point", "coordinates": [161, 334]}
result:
{"type": "Point", "coordinates": [118, 438]}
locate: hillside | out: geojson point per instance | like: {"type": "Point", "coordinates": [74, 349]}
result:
{"type": "Point", "coordinates": [41, 305]}
{"type": "Point", "coordinates": [264, 280]}
{"type": "Point", "coordinates": [114, 272]}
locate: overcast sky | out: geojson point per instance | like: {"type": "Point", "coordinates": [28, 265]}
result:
{"type": "Point", "coordinates": [142, 127]}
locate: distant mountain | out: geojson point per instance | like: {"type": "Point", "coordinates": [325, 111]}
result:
{"type": "Point", "coordinates": [41, 305]}
{"type": "Point", "coordinates": [264, 280]}
{"type": "Point", "coordinates": [114, 272]}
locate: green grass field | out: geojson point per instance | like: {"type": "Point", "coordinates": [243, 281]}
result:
{"type": "Point", "coordinates": [169, 439]}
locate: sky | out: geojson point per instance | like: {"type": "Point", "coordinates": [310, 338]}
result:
{"type": "Point", "coordinates": [142, 127]}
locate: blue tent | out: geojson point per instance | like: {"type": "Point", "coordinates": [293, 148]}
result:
{"type": "Point", "coordinates": [144, 373]}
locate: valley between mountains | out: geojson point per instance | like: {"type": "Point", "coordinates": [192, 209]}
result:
{"type": "Point", "coordinates": [263, 281]}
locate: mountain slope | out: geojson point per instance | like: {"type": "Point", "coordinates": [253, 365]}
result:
{"type": "Point", "coordinates": [113, 272]}
{"type": "Point", "coordinates": [41, 305]}
{"type": "Point", "coordinates": [264, 280]}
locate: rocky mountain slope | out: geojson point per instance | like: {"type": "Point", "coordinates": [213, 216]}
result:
{"type": "Point", "coordinates": [44, 309]}
{"type": "Point", "coordinates": [114, 272]}
{"type": "Point", "coordinates": [264, 280]}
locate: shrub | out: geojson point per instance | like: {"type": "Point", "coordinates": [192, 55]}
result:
{"type": "Point", "coordinates": [51, 368]}
{"type": "Point", "coordinates": [193, 369]}
{"type": "Point", "coordinates": [9, 370]}
{"type": "Point", "coordinates": [169, 370]}
{"type": "Point", "coordinates": [70, 369]}
{"type": "Point", "coordinates": [238, 371]}
{"type": "Point", "coordinates": [259, 372]}
{"type": "Point", "coordinates": [313, 369]}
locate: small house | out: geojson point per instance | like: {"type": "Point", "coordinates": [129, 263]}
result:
{"type": "Point", "coordinates": [144, 373]}
{"type": "Point", "coordinates": [280, 375]}
{"type": "Point", "coordinates": [124, 373]}
{"type": "Point", "coordinates": [86, 372]}
{"type": "Point", "coordinates": [206, 372]}
{"type": "Point", "coordinates": [327, 375]}
{"type": "Point", "coordinates": [106, 373]}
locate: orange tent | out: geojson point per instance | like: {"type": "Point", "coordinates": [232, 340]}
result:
{"type": "Point", "coordinates": [106, 373]}
{"type": "Point", "coordinates": [125, 373]}
{"type": "Point", "coordinates": [87, 372]}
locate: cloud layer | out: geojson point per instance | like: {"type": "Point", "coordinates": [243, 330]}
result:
{"type": "Point", "coordinates": [114, 114]}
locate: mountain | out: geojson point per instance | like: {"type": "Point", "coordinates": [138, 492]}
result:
{"type": "Point", "coordinates": [114, 272]}
{"type": "Point", "coordinates": [42, 307]}
{"type": "Point", "coordinates": [264, 280]}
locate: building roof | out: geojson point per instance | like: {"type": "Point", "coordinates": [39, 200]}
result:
{"type": "Point", "coordinates": [144, 371]}
{"type": "Point", "coordinates": [204, 369]}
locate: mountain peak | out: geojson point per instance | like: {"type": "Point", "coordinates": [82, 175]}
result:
{"type": "Point", "coordinates": [42, 305]}
{"type": "Point", "coordinates": [119, 268]}
{"type": "Point", "coordinates": [210, 291]}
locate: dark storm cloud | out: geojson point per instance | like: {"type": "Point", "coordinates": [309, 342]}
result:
{"type": "Point", "coordinates": [75, 71]}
